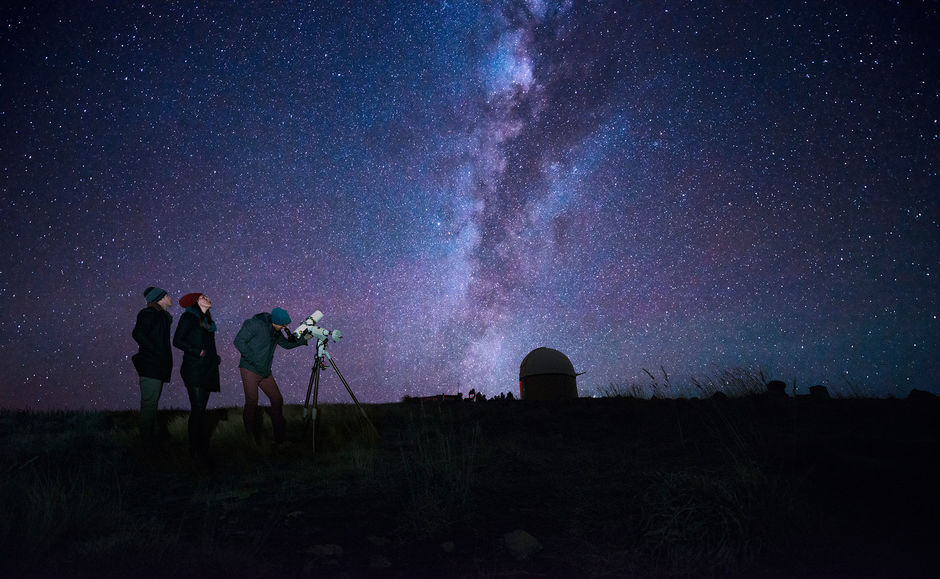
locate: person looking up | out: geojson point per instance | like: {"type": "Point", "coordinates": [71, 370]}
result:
{"type": "Point", "coordinates": [195, 336]}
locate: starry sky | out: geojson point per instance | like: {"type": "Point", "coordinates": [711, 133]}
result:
{"type": "Point", "coordinates": [688, 186]}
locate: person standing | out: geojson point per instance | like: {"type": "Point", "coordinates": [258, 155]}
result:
{"type": "Point", "coordinates": [195, 336]}
{"type": "Point", "coordinates": [154, 359]}
{"type": "Point", "coordinates": [256, 341]}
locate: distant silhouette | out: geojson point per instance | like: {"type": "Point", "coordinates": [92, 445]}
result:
{"type": "Point", "coordinates": [195, 336]}
{"type": "Point", "coordinates": [256, 341]}
{"type": "Point", "coordinates": [435, 398]}
{"type": "Point", "coordinates": [777, 388]}
{"type": "Point", "coordinates": [819, 392]}
{"type": "Point", "coordinates": [547, 374]}
{"type": "Point", "coordinates": [922, 395]}
{"type": "Point", "coordinates": [154, 359]}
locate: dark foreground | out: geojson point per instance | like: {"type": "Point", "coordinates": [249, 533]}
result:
{"type": "Point", "coordinates": [588, 488]}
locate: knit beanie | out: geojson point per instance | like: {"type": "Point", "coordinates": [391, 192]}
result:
{"type": "Point", "coordinates": [189, 300]}
{"type": "Point", "coordinates": [279, 317]}
{"type": "Point", "coordinates": [154, 294]}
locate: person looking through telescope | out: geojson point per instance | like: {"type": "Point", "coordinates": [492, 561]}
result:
{"type": "Point", "coordinates": [256, 341]}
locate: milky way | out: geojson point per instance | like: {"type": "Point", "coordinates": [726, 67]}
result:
{"type": "Point", "coordinates": [678, 186]}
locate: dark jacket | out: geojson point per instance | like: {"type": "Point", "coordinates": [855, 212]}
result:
{"type": "Point", "coordinates": [195, 334]}
{"type": "Point", "coordinates": [152, 334]}
{"type": "Point", "coordinates": [256, 341]}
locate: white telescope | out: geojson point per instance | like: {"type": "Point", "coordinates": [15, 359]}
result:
{"type": "Point", "coordinates": [309, 329]}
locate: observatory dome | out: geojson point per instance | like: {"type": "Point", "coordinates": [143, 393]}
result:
{"type": "Point", "coordinates": [547, 374]}
{"type": "Point", "coordinates": [545, 361]}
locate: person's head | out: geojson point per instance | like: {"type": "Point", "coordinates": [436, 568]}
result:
{"type": "Point", "coordinates": [158, 296]}
{"type": "Point", "coordinates": [196, 299]}
{"type": "Point", "coordinates": [279, 318]}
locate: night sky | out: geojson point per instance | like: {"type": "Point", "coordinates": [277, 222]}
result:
{"type": "Point", "coordinates": [693, 186]}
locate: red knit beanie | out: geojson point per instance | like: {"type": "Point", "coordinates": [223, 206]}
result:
{"type": "Point", "coordinates": [189, 300]}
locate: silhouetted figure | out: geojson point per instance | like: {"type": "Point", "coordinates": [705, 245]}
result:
{"type": "Point", "coordinates": [256, 341]}
{"type": "Point", "coordinates": [819, 392]}
{"type": "Point", "coordinates": [154, 359]}
{"type": "Point", "coordinates": [195, 336]}
{"type": "Point", "coordinates": [777, 388]}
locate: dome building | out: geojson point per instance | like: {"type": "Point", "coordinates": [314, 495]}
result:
{"type": "Point", "coordinates": [547, 374]}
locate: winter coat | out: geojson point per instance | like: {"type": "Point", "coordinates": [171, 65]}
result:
{"type": "Point", "coordinates": [152, 334]}
{"type": "Point", "coordinates": [195, 334]}
{"type": "Point", "coordinates": [256, 341]}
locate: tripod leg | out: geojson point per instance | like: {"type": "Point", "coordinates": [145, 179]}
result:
{"type": "Point", "coordinates": [313, 411]}
{"type": "Point", "coordinates": [313, 371]}
{"type": "Point", "coordinates": [353, 396]}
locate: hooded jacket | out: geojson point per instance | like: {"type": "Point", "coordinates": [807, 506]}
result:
{"type": "Point", "coordinates": [154, 358]}
{"type": "Point", "coordinates": [256, 341]}
{"type": "Point", "coordinates": [194, 335]}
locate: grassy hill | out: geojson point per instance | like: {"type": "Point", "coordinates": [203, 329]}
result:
{"type": "Point", "coordinates": [618, 486]}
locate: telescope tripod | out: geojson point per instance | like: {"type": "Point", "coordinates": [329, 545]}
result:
{"type": "Point", "coordinates": [311, 412]}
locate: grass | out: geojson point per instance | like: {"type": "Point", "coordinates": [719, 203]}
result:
{"type": "Point", "coordinates": [622, 486]}
{"type": "Point", "coordinates": [438, 460]}
{"type": "Point", "coordinates": [733, 382]}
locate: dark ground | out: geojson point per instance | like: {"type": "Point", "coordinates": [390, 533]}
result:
{"type": "Point", "coordinates": [604, 487]}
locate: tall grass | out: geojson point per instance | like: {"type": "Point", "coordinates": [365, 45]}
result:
{"type": "Point", "coordinates": [714, 519]}
{"type": "Point", "coordinates": [620, 390]}
{"type": "Point", "coordinates": [66, 480]}
{"type": "Point", "coordinates": [438, 458]}
{"type": "Point", "coordinates": [733, 382]}
{"type": "Point", "coordinates": [661, 488]}
{"type": "Point", "coordinates": [59, 481]}
{"type": "Point", "coordinates": [47, 504]}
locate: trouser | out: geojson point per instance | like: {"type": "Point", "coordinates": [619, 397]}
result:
{"type": "Point", "coordinates": [198, 427]}
{"type": "Point", "coordinates": [252, 383]}
{"type": "Point", "coordinates": [150, 389]}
